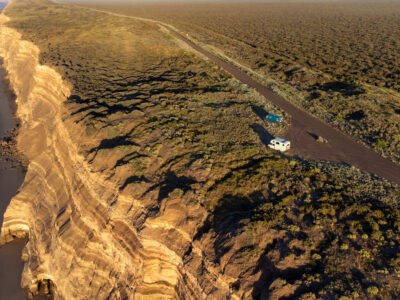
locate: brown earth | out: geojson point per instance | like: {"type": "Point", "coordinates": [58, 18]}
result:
{"type": "Point", "coordinates": [294, 50]}
{"type": "Point", "coordinates": [261, 226]}
{"type": "Point", "coordinates": [306, 128]}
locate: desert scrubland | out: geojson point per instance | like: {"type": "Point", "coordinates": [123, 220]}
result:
{"type": "Point", "coordinates": [149, 178]}
{"type": "Point", "coordinates": [339, 61]}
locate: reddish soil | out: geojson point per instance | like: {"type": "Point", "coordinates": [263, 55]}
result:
{"type": "Point", "coordinates": [305, 128]}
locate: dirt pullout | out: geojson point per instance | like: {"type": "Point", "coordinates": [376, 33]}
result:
{"type": "Point", "coordinates": [306, 129]}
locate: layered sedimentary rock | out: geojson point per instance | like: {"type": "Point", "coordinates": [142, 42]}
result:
{"type": "Point", "coordinates": [82, 242]}
{"type": "Point", "coordinates": [149, 176]}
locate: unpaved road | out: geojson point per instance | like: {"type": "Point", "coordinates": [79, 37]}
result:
{"type": "Point", "coordinates": [340, 148]}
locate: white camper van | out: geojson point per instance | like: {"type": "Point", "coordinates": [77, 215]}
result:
{"type": "Point", "coordinates": [279, 144]}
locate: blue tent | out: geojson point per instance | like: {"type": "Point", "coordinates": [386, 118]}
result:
{"type": "Point", "coordinates": [274, 118]}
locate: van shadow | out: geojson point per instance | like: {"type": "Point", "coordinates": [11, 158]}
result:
{"type": "Point", "coordinates": [263, 134]}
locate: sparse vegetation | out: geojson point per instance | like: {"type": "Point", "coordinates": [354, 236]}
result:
{"type": "Point", "coordinates": [165, 124]}
{"type": "Point", "coordinates": [339, 61]}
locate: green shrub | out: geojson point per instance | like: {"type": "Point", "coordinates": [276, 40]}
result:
{"type": "Point", "coordinates": [373, 290]}
{"type": "Point", "coordinates": [381, 144]}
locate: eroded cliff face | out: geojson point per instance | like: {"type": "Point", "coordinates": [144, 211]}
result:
{"type": "Point", "coordinates": [82, 232]}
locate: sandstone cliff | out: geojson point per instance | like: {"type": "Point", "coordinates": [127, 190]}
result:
{"type": "Point", "coordinates": [81, 243]}
{"type": "Point", "coordinates": [149, 176]}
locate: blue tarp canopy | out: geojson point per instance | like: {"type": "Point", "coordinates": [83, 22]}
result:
{"type": "Point", "coordinates": [274, 118]}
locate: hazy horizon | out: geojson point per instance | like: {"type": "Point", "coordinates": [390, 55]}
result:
{"type": "Point", "coordinates": [226, 1]}
{"type": "Point", "coordinates": [217, 1]}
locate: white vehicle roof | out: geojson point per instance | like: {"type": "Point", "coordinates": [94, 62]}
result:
{"type": "Point", "coordinates": [281, 140]}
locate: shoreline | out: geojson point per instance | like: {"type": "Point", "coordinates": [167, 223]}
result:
{"type": "Point", "coordinates": [12, 175]}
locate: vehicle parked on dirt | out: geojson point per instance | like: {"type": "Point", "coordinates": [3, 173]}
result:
{"type": "Point", "coordinates": [279, 144]}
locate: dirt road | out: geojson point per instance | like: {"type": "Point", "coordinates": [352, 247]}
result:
{"type": "Point", "coordinates": [340, 148]}
{"type": "Point", "coordinates": [305, 128]}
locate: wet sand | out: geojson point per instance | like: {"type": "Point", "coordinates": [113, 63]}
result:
{"type": "Point", "coordinates": [10, 180]}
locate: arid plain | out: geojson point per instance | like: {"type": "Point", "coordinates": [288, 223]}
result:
{"type": "Point", "coordinates": [338, 61]}
{"type": "Point", "coordinates": [149, 176]}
